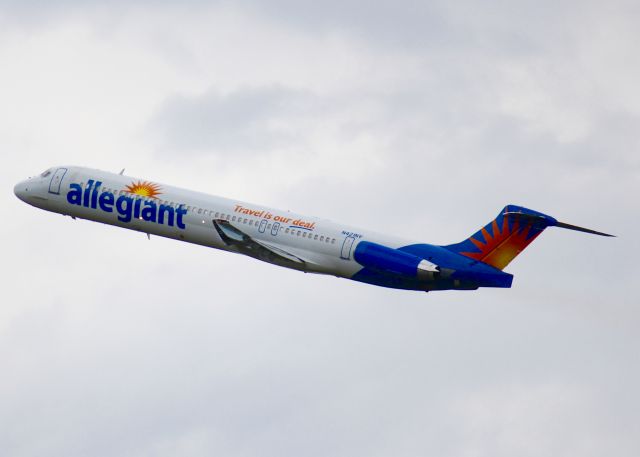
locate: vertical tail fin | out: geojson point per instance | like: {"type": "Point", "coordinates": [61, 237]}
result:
{"type": "Point", "coordinates": [502, 239]}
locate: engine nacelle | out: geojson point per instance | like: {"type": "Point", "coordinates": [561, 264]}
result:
{"type": "Point", "coordinates": [382, 258]}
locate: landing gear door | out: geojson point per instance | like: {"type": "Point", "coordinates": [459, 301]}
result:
{"type": "Point", "coordinates": [56, 180]}
{"type": "Point", "coordinates": [345, 253]}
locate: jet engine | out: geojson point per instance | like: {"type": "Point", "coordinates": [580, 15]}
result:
{"type": "Point", "coordinates": [382, 258]}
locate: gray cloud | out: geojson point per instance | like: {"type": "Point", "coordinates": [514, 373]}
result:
{"type": "Point", "coordinates": [223, 123]}
{"type": "Point", "coordinates": [114, 345]}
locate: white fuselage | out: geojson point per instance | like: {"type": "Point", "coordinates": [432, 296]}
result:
{"type": "Point", "coordinates": [312, 244]}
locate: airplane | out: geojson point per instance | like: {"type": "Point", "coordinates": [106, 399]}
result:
{"type": "Point", "coordinates": [290, 240]}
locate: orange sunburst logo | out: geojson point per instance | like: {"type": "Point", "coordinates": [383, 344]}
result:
{"type": "Point", "coordinates": [144, 188]}
{"type": "Point", "coordinates": [501, 246]}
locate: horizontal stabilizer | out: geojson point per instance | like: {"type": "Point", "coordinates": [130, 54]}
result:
{"type": "Point", "coordinates": [581, 229]}
{"type": "Point", "coordinates": [548, 221]}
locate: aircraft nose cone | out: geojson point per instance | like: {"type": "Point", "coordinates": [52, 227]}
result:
{"type": "Point", "coordinates": [21, 189]}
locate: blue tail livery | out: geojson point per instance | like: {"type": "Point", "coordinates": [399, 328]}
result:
{"type": "Point", "coordinates": [502, 239]}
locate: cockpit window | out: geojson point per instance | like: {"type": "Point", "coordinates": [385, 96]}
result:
{"type": "Point", "coordinates": [46, 173]}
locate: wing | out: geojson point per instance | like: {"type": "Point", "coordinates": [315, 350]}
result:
{"type": "Point", "coordinates": [240, 242]}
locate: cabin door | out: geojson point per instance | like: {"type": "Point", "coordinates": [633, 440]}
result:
{"type": "Point", "coordinates": [56, 180]}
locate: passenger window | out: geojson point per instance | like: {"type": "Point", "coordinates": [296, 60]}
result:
{"type": "Point", "coordinates": [304, 234]}
{"type": "Point", "coordinates": [333, 241]}
{"type": "Point", "coordinates": [251, 222]}
{"type": "Point", "coordinates": [322, 238]}
{"type": "Point", "coordinates": [315, 237]}
{"type": "Point", "coordinates": [298, 234]}
{"type": "Point", "coordinates": [233, 219]}
{"type": "Point", "coordinates": [245, 221]}
{"type": "Point", "coordinates": [228, 217]}
{"type": "Point", "coordinates": [327, 240]}
{"type": "Point", "coordinates": [217, 214]}
{"type": "Point", "coordinates": [199, 210]}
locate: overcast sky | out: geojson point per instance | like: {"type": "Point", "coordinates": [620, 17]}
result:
{"type": "Point", "coordinates": [421, 119]}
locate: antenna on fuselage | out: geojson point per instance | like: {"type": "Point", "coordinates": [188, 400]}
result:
{"type": "Point", "coordinates": [121, 171]}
